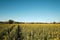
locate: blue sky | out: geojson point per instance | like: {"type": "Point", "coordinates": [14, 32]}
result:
{"type": "Point", "coordinates": [30, 10]}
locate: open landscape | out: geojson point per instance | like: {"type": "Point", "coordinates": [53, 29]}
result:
{"type": "Point", "coordinates": [29, 19]}
{"type": "Point", "coordinates": [29, 31]}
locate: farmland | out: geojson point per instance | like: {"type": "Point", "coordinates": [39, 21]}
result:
{"type": "Point", "coordinates": [29, 31]}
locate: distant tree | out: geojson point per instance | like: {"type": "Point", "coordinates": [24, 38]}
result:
{"type": "Point", "coordinates": [54, 22]}
{"type": "Point", "coordinates": [1, 22]}
{"type": "Point", "coordinates": [11, 21]}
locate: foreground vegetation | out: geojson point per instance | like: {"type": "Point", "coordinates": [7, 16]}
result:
{"type": "Point", "coordinates": [29, 31]}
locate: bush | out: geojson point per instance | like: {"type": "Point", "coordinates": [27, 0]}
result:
{"type": "Point", "coordinates": [11, 21]}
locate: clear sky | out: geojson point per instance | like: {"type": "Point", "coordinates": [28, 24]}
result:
{"type": "Point", "coordinates": [30, 10]}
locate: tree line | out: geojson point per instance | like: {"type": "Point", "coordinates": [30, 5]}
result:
{"type": "Point", "coordinates": [14, 22]}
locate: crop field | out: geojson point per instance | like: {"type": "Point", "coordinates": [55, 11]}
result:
{"type": "Point", "coordinates": [29, 31]}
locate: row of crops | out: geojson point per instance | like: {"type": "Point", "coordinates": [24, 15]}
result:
{"type": "Point", "coordinates": [41, 32]}
{"type": "Point", "coordinates": [10, 33]}
{"type": "Point", "coordinates": [30, 32]}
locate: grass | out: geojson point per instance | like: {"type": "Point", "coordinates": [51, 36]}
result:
{"type": "Point", "coordinates": [30, 31]}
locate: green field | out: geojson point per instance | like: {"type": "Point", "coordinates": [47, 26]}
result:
{"type": "Point", "coordinates": [29, 31]}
